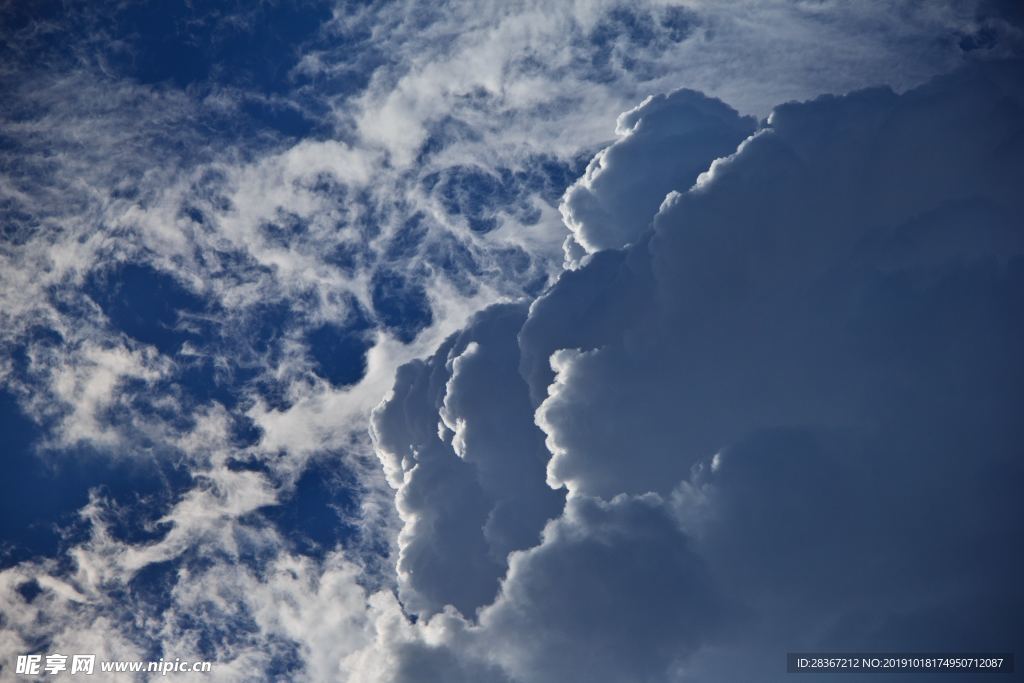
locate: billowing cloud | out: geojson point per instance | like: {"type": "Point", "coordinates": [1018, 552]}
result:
{"type": "Point", "coordinates": [613, 592]}
{"type": "Point", "coordinates": [809, 365]}
{"type": "Point", "coordinates": [674, 138]}
{"type": "Point", "coordinates": [467, 463]}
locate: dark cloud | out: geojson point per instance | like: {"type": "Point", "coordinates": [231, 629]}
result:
{"type": "Point", "coordinates": [813, 356]}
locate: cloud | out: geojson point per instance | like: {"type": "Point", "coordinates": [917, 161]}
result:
{"type": "Point", "coordinates": [820, 212]}
{"type": "Point", "coordinates": [612, 592]}
{"type": "Point", "coordinates": [90, 388]}
{"type": "Point", "coordinates": [808, 364]}
{"type": "Point", "coordinates": [252, 221]}
{"type": "Point", "coordinates": [399, 171]}
{"type": "Point", "coordinates": [674, 137]}
{"type": "Point", "coordinates": [469, 481]}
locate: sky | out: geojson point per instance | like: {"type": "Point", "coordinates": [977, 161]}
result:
{"type": "Point", "coordinates": [510, 342]}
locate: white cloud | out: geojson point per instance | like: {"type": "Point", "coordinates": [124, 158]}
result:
{"type": "Point", "coordinates": [680, 358]}
{"type": "Point", "coordinates": [90, 385]}
{"type": "Point", "coordinates": [674, 137]}
{"type": "Point", "coordinates": [469, 481]}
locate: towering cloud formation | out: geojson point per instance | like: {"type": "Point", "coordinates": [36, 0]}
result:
{"type": "Point", "coordinates": [468, 463]}
{"type": "Point", "coordinates": [787, 416]}
{"type": "Point", "coordinates": [672, 138]}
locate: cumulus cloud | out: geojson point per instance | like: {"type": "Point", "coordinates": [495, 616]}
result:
{"type": "Point", "coordinates": [674, 137]}
{"type": "Point", "coordinates": [860, 199]}
{"type": "Point", "coordinates": [468, 475]}
{"type": "Point", "coordinates": [612, 592]}
{"type": "Point", "coordinates": [809, 366]}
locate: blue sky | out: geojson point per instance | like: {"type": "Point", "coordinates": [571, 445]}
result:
{"type": "Point", "coordinates": [367, 341]}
